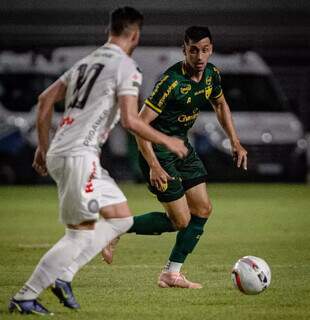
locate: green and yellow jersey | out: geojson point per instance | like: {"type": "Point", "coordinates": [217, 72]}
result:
{"type": "Point", "coordinates": [177, 99]}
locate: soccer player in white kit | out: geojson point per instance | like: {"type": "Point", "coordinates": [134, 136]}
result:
{"type": "Point", "coordinates": [98, 91]}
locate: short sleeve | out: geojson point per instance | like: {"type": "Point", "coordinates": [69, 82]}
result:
{"type": "Point", "coordinates": [216, 83]}
{"type": "Point", "coordinates": [65, 78]}
{"type": "Point", "coordinates": [129, 78]}
{"type": "Point", "coordinates": [162, 93]}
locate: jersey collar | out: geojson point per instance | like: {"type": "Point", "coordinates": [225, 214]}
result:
{"type": "Point", "coordinates": [114, 47]}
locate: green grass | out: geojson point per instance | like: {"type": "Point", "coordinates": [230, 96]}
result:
{"type": "Point", "coordinates": [270, 221]}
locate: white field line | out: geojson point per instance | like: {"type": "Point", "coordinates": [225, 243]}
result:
{"type": "Point", "coordinates": [34, 245]}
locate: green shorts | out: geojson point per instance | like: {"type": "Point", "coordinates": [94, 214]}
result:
{"type": "Point", "coordinates": [187, 172]}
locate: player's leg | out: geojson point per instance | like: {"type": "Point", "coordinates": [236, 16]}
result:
{"type": "Point", "coordinates": [69, 173]}
{"type": "Point", "coordinates": [171, 276]}
{"type": "Point", "coordinates": [152, 223]}
{"type": "Point", "coordinates": [51, 265]}
{"type": "Point", "coordinates": [200, 207]}
{"type": "Point", "coordinates": [198, 201]}
{"type": "Point", "coordinates": [118, 220]}
{"type": "Point", "coordinates": [115, 220]}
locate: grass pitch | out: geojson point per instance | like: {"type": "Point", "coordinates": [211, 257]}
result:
{"type": "Point", "coordinates": [269, 221]}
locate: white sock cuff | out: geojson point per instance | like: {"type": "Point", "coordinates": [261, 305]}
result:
{"type": "Point", "coordinates": [172, 266]}
{"type": "Point", "coordinates": [121, 225]}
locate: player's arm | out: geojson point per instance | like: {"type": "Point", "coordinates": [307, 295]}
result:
{"type": "Point", "coordinates": [129, 119]}
{"type": "Point", "coordinates": [129, 79]}
{"type": "Point", "coordinates": [224, 117]}
{"type": "Point", "coordinates": [46, 101]}
{"type": "Point", "coordinates": [158, 176]}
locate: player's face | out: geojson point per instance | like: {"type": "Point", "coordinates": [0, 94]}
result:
{"type": "Point", "coordinates": [197, 54]}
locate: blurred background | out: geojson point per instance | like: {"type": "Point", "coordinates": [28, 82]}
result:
{"type": "Point", "coordinates": [261, 47]}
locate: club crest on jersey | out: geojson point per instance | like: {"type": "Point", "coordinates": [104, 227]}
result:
{"type": "Point", "coordinates": [208, 91]}
{"type": "Point", "coordinates": [185, 89]}
{"type": "Point", "coordinates": [209, 81]}
{"type": "Point", "coordinates": [163, 187]}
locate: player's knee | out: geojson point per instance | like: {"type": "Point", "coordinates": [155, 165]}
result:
{"type": "Point", "coordinates": [205, 210]}
{"type": "Point", "coordinates": [181, 222]}
{"type": "Point", "coordinates": [208, 209]}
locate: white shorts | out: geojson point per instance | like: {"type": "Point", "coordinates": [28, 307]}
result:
{"type": "Point", "coordinates": [83, 187]}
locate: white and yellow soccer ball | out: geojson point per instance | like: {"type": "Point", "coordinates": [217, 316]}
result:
{"type": "Point", "coordinates": [251, 275]}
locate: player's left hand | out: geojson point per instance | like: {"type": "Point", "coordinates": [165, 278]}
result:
{"type": "Point", "coordinates": [240, 156]}
{"type": "Point", "coordinates": [39, 163]}
{"type": "Point", "coordinates": [159, 178]}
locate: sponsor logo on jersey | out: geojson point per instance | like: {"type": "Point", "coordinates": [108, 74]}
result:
{"type": "Point", "coordinates": [89, 185]}
{"type": "Point", "coordinates": [185, 89]}
{"type": "Point", "coordinates": [158, 85]}
{"type": "Point", "coordinates": [189, 117]}
{"type": "Point", "coordinates": [199, 92]}
{"type": "Point", "coordinates": [66, 121]}
{"type": "Point", "coordinates": [94, 128]}
{"type": "Point", "coordinates": [167, 93]}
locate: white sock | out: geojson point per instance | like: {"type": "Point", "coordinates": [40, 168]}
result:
{"type": "Point", "coordinates": [54, 262]}
{"type": "Point", "coordinates": [173, 266]}
{"type": "Point", "coordinates": [26, 293]}
{"type": "Point", "coordinates": [105, 231]}
{"type": "Point", "coordinates": [102, 233]}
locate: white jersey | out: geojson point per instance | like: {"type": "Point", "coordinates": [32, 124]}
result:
{"type": "Point", "coordinates": [91, 111]}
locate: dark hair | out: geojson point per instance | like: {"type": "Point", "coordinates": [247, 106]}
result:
{"type": "Point", "coordinates": [122, 18]}
{"type": "Point", "coordinates": [196, 33]}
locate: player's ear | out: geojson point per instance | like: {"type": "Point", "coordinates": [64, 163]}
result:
{"type": "Point", "coordinates": [183, 49]}
{"type": "Point", "coordinates": [135, 35]}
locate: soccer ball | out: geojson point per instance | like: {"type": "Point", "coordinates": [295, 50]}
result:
{"type": "Point", "coordinates": [251, 275]}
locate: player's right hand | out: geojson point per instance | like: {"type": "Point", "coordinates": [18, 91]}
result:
{"type": "Point", "coordinates": [177, 146]}
{"type": "Point", "coordinates": [239, 156]}
{"type": "Point", "coordinates": [39, 163]}
{"type": "Point", "coordinates": [159, 178]}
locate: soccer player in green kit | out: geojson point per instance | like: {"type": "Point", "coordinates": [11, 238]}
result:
{"type": "Point", "coordinates": [180, 184]}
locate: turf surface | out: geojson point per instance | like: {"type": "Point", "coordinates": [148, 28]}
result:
{"type": "Point", "coordinates": [269, 221]}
